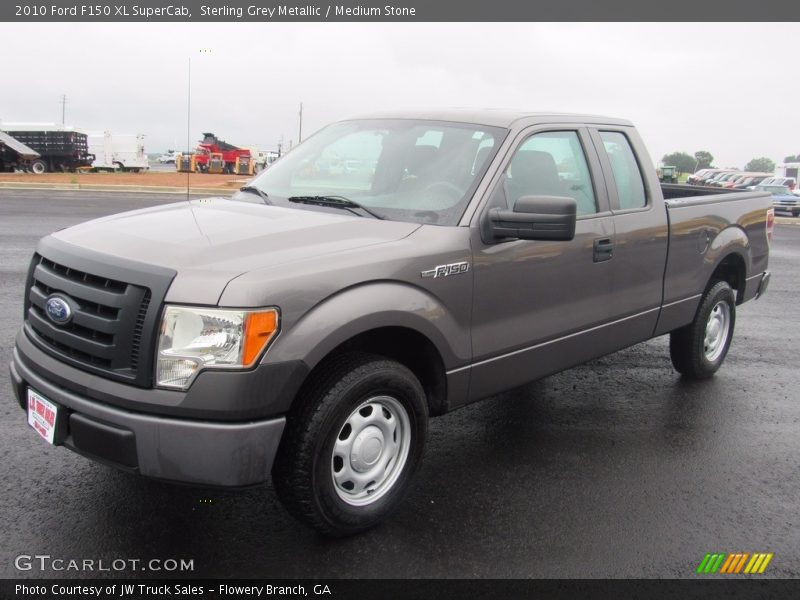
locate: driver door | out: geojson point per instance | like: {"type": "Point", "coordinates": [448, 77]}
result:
{"type": "Point", "coordinates": [536, 303]}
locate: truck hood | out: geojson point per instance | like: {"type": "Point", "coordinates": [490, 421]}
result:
{"type": "Point", "coordinates": [213, 240]}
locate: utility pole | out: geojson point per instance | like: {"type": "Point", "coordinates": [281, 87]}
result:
{"type": "Point", "coordinates": [300, 134]}
{"type": "Point", "coordinates": [63, 108]}
{"type": "Point", "coordinates": [188, 122]}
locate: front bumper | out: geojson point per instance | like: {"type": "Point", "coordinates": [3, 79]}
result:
{"type": "Point", "coordinates": [787, 205]}
{"type": "Point", "coordinates": [200, 452]}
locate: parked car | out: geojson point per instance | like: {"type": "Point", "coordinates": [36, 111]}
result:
{"type": "Point", "coordinates": [169, 157]}
{"type": "Point", "coordinates": [699, 176]}
{"type": "Point", "coordinates": [306, 329]}
{"type": "Point", "coordinates": [740, 181]}
{"type": "Point", "coordinates": [782, 198]}
{"type": "Point", "coordinates": [709, 181]}
{"type": "Point", "coordinates": [789, 182]}
{"type": "Point", "coordinates": [748, 181]}
{"type": "Point", "coordinates": [725, 178]}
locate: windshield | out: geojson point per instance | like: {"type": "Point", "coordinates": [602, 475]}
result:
{"type": "Point", "coordinates": [406, 170]}
{"type": "Point", "coordinates": [775, 190]}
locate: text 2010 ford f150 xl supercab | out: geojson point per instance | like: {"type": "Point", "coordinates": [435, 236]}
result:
{"type": "Point", "coordinates": [390, 268]}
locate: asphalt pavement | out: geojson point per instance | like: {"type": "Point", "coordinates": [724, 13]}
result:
{"type": "Point", "coordinates": [618, 468]}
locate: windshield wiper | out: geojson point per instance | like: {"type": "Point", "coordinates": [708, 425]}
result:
{"type": "Point", "coordinates": [335, 202]}
{"type": "Point", "coordinates": [255, 190]}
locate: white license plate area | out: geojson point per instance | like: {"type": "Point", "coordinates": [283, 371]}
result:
{"type": "Point", "coordinates": [42, 415]}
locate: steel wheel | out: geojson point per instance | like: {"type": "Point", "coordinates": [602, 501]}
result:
{"type": "Point", "coordinates": [370, 451]}
{"type": "Point", "coordinates": [698, 349]}
{"type": "Point", "coordinates": [352, 443]}
{"type": "Point", "coordinates": [719, 322]}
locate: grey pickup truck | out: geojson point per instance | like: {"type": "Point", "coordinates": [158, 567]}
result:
{"type": "Point", "coordinates": [391, 268]}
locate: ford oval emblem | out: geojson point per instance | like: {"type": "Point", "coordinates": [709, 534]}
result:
{"type": "Point", "coordinates": [58, 310]}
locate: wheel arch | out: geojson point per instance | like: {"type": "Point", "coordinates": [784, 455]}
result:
{"type": "Point", "coordinates": [398, 321]}
{"type": "Point", "coordinates": [732, 268]}
{"type": "Point", "coordinates": [408, 347]}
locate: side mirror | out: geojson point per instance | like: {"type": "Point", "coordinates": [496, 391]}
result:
{"type": "Point", "coordinates": [536, 218]}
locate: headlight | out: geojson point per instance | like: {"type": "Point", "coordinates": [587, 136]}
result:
{"type": "Point", "coordinates": [195, 338]}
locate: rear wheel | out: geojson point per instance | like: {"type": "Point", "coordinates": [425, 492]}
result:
{"type": "Point", "coordinates": [698, 349]}
{"type": "Point", "coordinates": [354, 442]}
{"type": "Point", "coordinates": [39, 167]}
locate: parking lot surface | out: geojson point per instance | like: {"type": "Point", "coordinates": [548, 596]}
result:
{"type": "Point", "coordinates": [618, 468]}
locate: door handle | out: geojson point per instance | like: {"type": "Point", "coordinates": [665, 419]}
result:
{"type": "Point", "coordinates": [603, 249]}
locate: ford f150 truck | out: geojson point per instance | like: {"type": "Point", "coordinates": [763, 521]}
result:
{"type": "Point", "coordinates": [307, 328]}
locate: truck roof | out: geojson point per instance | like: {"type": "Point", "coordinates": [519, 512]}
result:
{"type": "Point", "coordinates": [491, 117]}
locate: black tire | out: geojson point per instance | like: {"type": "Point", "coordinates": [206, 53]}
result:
{"type": "Point", "coordinates": [691, 355]}
{"type": "Point", "coordinates": [306, 463]}
{"type": "Point", "coordinates": [38, 167]}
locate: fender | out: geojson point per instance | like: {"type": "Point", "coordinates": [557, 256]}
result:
{"type": "Point", "coordinates": [730, 241]}
{"type": "Point", "coordinates": [368, 306]}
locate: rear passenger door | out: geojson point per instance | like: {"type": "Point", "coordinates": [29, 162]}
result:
{"type": "Point", "coordinates": [640, 225]}
{"type": "Point", "coordinates": [534, 299]}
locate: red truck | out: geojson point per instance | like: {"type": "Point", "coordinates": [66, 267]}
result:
{"type": "Point", "coordinates": [217, 156]}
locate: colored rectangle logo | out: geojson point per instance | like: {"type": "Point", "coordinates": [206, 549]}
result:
{"type": "Point", "coordinates": [734, 563]}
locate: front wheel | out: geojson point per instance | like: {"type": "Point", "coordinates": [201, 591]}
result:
{"type": "Point", "coordinates": [352, 445]}
{"type": "Point", "coordinates": [698, 349]}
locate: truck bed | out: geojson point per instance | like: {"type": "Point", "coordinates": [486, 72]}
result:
{"type": "Point", "coordinates": [702, 222]}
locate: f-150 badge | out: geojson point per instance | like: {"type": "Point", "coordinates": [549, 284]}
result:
{"type": "Point", "coordinates": [447, 270]}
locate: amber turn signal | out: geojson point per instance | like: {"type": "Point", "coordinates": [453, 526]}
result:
{"type": "Point", "coordinates": [259, 329]}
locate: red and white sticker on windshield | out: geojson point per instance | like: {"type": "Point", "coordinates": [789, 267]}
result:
{"type": "Point", "coordinates": [42, 415]}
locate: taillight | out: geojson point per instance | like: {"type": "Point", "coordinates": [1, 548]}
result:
{"type": "Point", "coordinates": [770, 224]}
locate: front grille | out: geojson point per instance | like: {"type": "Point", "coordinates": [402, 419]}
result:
{"type": "Point", "coordinates": [138, 330]}
{"type": "Point", "coordinates": [106, 331]}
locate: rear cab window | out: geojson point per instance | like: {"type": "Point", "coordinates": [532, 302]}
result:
{"type": "Point", "coordinates": [627, 175]}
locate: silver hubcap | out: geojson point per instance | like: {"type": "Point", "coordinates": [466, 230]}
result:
{"type": "Point", "coordinates": [371, 450]}
{"type": "Point", "coordinates": [719, 322]}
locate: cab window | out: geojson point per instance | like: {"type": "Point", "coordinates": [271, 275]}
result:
{"type": "Point", "coordinates": [551, 163]}
{"type": "Point", "coordinates": [627, 176]}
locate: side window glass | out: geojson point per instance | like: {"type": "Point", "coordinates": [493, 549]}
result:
{"type": "Point", "coordinates": [551, 164]}
{"type": "Point", "coordinates": [627, 176]}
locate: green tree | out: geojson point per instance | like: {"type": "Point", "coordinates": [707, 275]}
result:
{"type": "Point", "coordinates": [704, 159]}
{"type": "Point", "coordinates": [792, 159]}
{"type": "Point", "coordinates": [680, 160]}
{"type": "Point", "coordinates": [763, 164]}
